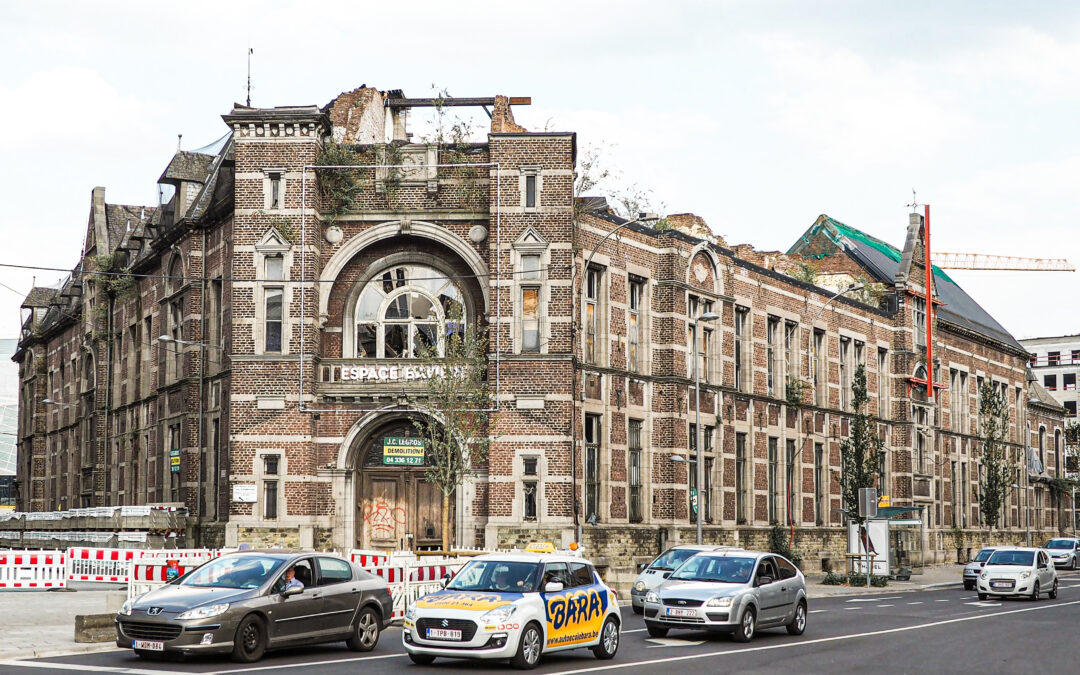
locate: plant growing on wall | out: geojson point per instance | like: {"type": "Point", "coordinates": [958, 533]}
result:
{"type": "Point", "coordinates": [859, 452]}
{"type": "Point", "coordinates": [115, 283]}
{"type": "Point", "coordinates": [337, 187]}
{"type": "Point", "coordinates": [454, 425]}
{"type": "Point", "coordinates": [997, 472]}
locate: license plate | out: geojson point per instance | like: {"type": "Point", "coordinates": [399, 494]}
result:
{"type": "Point", "coordinates": [443, 634]}
{"type": "Point", "coordinates": [148, 645]}
{"type": "Point", "coordinates": [1001, 584]}
{"type": "Point", "coordinates": [681, 612]}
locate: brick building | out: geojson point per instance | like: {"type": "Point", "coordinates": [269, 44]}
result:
{"type": "Point", "coordinates": [248, 347]}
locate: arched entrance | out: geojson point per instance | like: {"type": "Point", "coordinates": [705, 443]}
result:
{"type": "Point", "coordinates": [396, 508]}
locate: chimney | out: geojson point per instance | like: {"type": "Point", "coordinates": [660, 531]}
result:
{"type": "Point", "coordinates": [915, 222]}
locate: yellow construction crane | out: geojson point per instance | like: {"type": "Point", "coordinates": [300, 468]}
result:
{"type": "Point", "coordinates": [980, 261]}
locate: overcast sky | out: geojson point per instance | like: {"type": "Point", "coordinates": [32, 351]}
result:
{"type": "Point", "coordinates": [757, 116]}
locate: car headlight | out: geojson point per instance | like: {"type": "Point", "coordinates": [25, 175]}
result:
{"type": "Point", "coordinates": [410, 613]}
{"type": "Point", "coordinates": [639, 586]}
{"type": "Point", "coordinates": [651, 596]}
{"type": "Point", "coordinates": [125, 609]}
{"type": "Point", "coordinates": [1025, 574]}
{"type": "Point", "coordinates": [499, 614]}
{"type": "Point", "coordinates": [719, 602]}
{"type": "Point", "coordinates": [205, 612]}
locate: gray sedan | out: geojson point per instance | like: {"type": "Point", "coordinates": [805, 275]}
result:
{"type": "Point", "coordinates": [244, 603]}
{"type": "Point", "coordinates": [730, 591]}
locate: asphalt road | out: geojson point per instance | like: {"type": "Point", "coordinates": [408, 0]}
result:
{"type": "Point", "coordinates": [940, 631]}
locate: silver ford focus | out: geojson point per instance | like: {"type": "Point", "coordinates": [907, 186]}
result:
{"type": "Point", "coordinates": [732, 591]}
{"type": "Point", "coordinates": [245, 603]}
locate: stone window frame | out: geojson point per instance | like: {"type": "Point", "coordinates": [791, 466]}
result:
{"type": "Point", "coordinates": [268, 185]}
{"type": "Point", "coordinates": [641, 313]}
{"type": "Point", "coordinates": [261, 477]}
{"type": "Point", "coordinates": [706, 351]}
{"type": "Point", "coordinates": [538, 485]}
{"type": "Point", "coordinates": [537, 174]}
{"type": "Point", "coordinates": [531, 243]}
{"type": "Point", "coordinates": [272, 244]}
{"type": "Point", "coordinates": [644, 465]}
{"type": "Point", "coordinates": [600, 265]}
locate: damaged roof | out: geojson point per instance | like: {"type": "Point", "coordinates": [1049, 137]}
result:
{"type": "Point", "coordinates": [40, 296]}
{"type": "Point", "coordinates": [882, 260]}
{"type": "Point", "coordinates": [188, 166]}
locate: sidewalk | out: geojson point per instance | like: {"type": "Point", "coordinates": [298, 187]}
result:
{"type": "Point", "coordinates": [42, 623]}
{"type": "Point", "coordinates": [932, 577]}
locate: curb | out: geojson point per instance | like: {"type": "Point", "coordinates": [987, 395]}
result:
{"type": "Point", "coordinates": [43, 653]}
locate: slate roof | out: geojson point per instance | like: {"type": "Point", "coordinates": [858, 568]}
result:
{"type": "Point", "coordinates": [882, 260]}
{"type": "Point", "coordinates": [1039, 393]}
{"type": "Point", "coordinates": [40, 296]}
{"type": "Point", "coordinates": [190, 166]}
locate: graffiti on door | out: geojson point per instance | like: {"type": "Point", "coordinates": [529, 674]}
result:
{"type": "Point", "coordinates": [384, 519]}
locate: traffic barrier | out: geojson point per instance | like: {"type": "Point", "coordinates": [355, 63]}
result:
{"type": "Point", "coordinates": [409, 581]}
{"type": "Point", "coordinates": [106, 565]}
{"type": "Point", "coordinates": [152, 572]}
{"type": "Point", "coordinates": [366, 559]}
{"type": "Point", "coordinates": [32, 569]}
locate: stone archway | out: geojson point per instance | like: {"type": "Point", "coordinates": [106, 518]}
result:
{"type": "Point", "coordinates": [393, 508]}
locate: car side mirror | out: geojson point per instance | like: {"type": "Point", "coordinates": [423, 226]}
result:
{"type": "Point", "coordinates": [294, 590]}
{"type": "Point", "coordinates": [764, 581]}
{"type": "Point", "coordinates": [446, 579]}
{"type": "Point", "coordinates": [553, 587]}
{"type": "Point", "coordinates": [641, 567]}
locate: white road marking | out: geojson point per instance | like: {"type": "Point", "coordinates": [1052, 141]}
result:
{"type": "Point", "coordinates": [308, 665]}
{"type": "Point", "coordinates": [852, 609]}
{"type": "Point", "coordinates": [673, 642]}
{"type": "Point", "coordinates": [873, 599]}
{"type": "Point", "coordinates": [82, 667]}
{"type": "Point", "coordinates": [982, 603]}
{"type": "Point", "coordinates": [916, 603]}
{"type": "Point", "coordinates": [819, 611]}
{"type": "Point", "coordinates": [636, 630]}
{"type": "Point", "coordinates": [884, 605]}
{"type": "Point", "coordinates": [802, 643]}
{"type": "Point", "coordinates": [941, 601]}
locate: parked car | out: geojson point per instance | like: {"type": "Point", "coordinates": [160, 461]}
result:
{"type": "Point", "coordinates": [653, 574]}
{"type": "Point", "coordinates": [515, 606]}
{"type": "Point", "coordinates": [1018, 571]}
{"type": "Point", "coordinates": [974, 568]}
{"type": "Point", "coordinates": [731, 591]}
{"type": "Point", "coordinates": [1064, 552]}
{"type": "Point", "coordinates": [243, 604]}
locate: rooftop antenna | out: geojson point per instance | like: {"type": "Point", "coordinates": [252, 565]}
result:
{"type": "Point", "coordinates": [914, 202]}
{"type": "Point", "coordinates": [179, 137]}
{"type": "Point", "coordinates": [250, 52]}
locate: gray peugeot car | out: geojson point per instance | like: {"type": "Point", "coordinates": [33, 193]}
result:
{"type": "Point", "coordinates": [245, 603]}
{"type": "Point", "coordinates": [733, 591]}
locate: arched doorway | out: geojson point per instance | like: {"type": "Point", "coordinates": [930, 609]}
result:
{"type": "Point", "coordinates": [396, 508]}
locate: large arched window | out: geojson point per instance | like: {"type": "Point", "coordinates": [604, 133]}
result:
{"type": "Point", "coordinates": [406, 309]}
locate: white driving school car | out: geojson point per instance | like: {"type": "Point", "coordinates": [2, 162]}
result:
{"type": "Point", "coordinates": [515, 606]}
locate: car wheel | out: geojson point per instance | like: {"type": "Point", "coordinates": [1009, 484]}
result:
{"type": "Point", "coordinates": [639, 610]}
{"type": "Point", "coordinates": [798, 622]}
{"type": "Point", "coordinates": [422, 659]}
{"type": "Point", "coordinates": [366, 635]}
{"type": "Point", "coordinates": [250, 641]}
{"type": "Point", "coordinates": [983, 596]}
{"type": "Point", "coordinates": [529, 648]}
{"type": "Point", "coordinates": [609, 640]}
{"type": "Point", "coordinates": [969, 586]}
{"type": "Point", "coordinates": [655, 630]}
{"type": "Point", "coordinates": [745, 630]}
{"type": "Point", "coordinates": [1053, 591]}
{"type": "Point", "coordinates": [1035, 591]}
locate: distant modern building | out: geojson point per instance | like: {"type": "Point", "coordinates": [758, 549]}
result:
{"type": "Point", "coordinates": [1056, 364]}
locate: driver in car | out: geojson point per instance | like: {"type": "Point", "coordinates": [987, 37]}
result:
{"type": "Point", "coordinates": [501, 580]}
{"type": "Point", "coordinates": [290, 579]}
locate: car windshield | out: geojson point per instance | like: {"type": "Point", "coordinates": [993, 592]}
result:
{"type": "Point", "coordinates": [496, 576]}
{"type": "Point", "coordinates": [234, 572]}
{"type": "Point", "coordinates": [1021, 558]}
{"type": "Point", "coordinates": [1060, 543]}
{"type": "Point", "coordinates": [984, 555]}
{"type": "Point", "coordinates": [672, 558]}
{"type": "Point", "coordinates": [714, 568]}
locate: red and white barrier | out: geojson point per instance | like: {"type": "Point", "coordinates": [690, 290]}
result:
{"type": "Point", "coordinates": [107, 565]}
{"type": "Point", "coordinates": [32, 569]}
{"type": "Point", "coordinates": [368, 559]}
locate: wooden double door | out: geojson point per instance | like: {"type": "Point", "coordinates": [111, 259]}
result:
{"type": "Point", "coordinates": [397, 510]}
